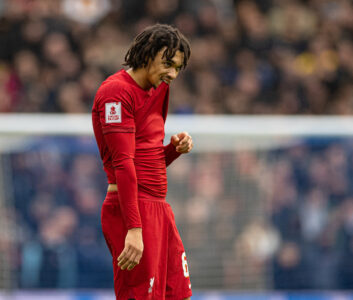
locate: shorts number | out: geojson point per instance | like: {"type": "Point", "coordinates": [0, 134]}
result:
{"type": "Point", "coordinates": [185, 265]}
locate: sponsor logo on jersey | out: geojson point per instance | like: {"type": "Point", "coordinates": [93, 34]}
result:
{"type": "Point", "coordinates": [113, 112]}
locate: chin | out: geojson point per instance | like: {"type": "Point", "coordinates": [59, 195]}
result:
{"type": "Point", "coordinates": [157, 84]}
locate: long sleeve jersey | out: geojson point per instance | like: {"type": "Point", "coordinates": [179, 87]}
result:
{"type": "Point", "coordinates": [128, 124]}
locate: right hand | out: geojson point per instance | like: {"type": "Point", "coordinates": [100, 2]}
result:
{"type": "Point", "coordinates": [182, 142]}
{"type": "Point", "coordinates": [133, 249]}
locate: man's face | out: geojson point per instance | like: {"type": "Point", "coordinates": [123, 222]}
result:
{"type": "Point", "coordinates": [161, 69]}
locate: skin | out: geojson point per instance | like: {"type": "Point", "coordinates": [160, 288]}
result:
{"type": "Point", "coordinates": [158, 70]}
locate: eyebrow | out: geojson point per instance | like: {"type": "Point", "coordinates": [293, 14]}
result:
{"type": "Point", "coordinates": [174, 63]}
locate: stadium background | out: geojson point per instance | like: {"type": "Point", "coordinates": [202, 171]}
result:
{"type": "Point", "coordinates": [254, 216]}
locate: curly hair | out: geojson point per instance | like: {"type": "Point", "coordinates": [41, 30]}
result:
{"type": "Point", "coordinates": [148, 43]}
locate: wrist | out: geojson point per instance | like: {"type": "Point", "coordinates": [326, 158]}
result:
{"type": "Point", "coordinates": [171, 147]}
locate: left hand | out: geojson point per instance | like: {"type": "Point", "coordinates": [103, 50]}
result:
{"type": "Point", "coordinates": [182, 142]}
{"type": "Point", "coordinates": [133, 249]}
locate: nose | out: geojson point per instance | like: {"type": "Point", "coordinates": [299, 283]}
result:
{"type": "Point", "coordinates": [172, 73]}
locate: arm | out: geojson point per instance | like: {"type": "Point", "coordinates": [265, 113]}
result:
{"type": "Point", "coordinates": [179, 143]}
{"type": "Point", "coordinates": [170, 153]}
{"type": "Point", "coordinates": [115, 106]}
{"type": "Point", "coordinates": [122, 149]}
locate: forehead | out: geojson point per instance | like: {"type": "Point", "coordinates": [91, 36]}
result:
{"type": "Point", "coordinates": [177, 59]}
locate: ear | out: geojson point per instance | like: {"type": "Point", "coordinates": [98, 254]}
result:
{"type": "Point", "coordinates": [149, 63]}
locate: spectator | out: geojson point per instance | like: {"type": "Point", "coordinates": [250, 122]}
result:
{"type": "Point", "coordinates": [263, 57]}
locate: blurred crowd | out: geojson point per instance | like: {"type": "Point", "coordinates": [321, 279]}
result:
{"type": "Point", "coordinates": [248, 56]}
{"type": "Point", "coordinates": [268, 219]}
{"type": "Point", "coordinates": [57, 198]}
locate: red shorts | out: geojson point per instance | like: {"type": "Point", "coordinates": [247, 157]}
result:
{"type": "Point", "coordinates": [162, 272]}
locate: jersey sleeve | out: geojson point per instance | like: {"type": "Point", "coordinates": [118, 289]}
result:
{"type": "Point", "coordinates": [116, 111]}
{"type": "Point", "coordinates": [122, 149]}
{"type": "Point", "coordinates": [170, 154]}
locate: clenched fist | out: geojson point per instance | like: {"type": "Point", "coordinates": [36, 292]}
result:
{"type": "Point", "coordinates": [182, 142]}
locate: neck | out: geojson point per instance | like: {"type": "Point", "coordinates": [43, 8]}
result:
{"type": "Point", "coordinates": [140, 77]}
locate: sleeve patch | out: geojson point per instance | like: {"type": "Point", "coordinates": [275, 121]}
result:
{"type": "Point", "coordinates": [113, 112]}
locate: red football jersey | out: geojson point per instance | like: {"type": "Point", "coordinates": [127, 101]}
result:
{"type": "Point", "coordinates": [122, 106]}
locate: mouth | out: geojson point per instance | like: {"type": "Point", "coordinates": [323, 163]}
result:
{"type": "Point", "coordinates": [166, 80]}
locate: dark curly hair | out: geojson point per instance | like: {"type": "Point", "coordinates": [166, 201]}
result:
{"type": "Point", "coordinates": [149, 42]}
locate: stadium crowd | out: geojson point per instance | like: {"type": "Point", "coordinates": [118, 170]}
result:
{"type": "Point", "coordinates": [268, 219]}
{"type": "Point", "coordinates": [280, 219]}
{"type": "Point", "coordinates": [249, 57]}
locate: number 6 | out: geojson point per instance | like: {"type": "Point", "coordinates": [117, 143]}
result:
{"type": "Point", "coordinates": [185, 265]}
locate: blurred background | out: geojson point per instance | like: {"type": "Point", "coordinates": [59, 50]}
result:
{"type": "Point", "coordinates": [252, 218]}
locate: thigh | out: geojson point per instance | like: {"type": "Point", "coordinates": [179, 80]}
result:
{"type": "Point", "coordinates": [148, 279]}
{"type": "Point", "coordinates": [154, 259]}
{"type": "Point", "coordinates": [114, 233]}
{"type": "Point", "coordinates": [178, 278]}
{"type": "Point", "coordinates": [127, 284]}
{"type": "Point", "coordinates": [113, 228]}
